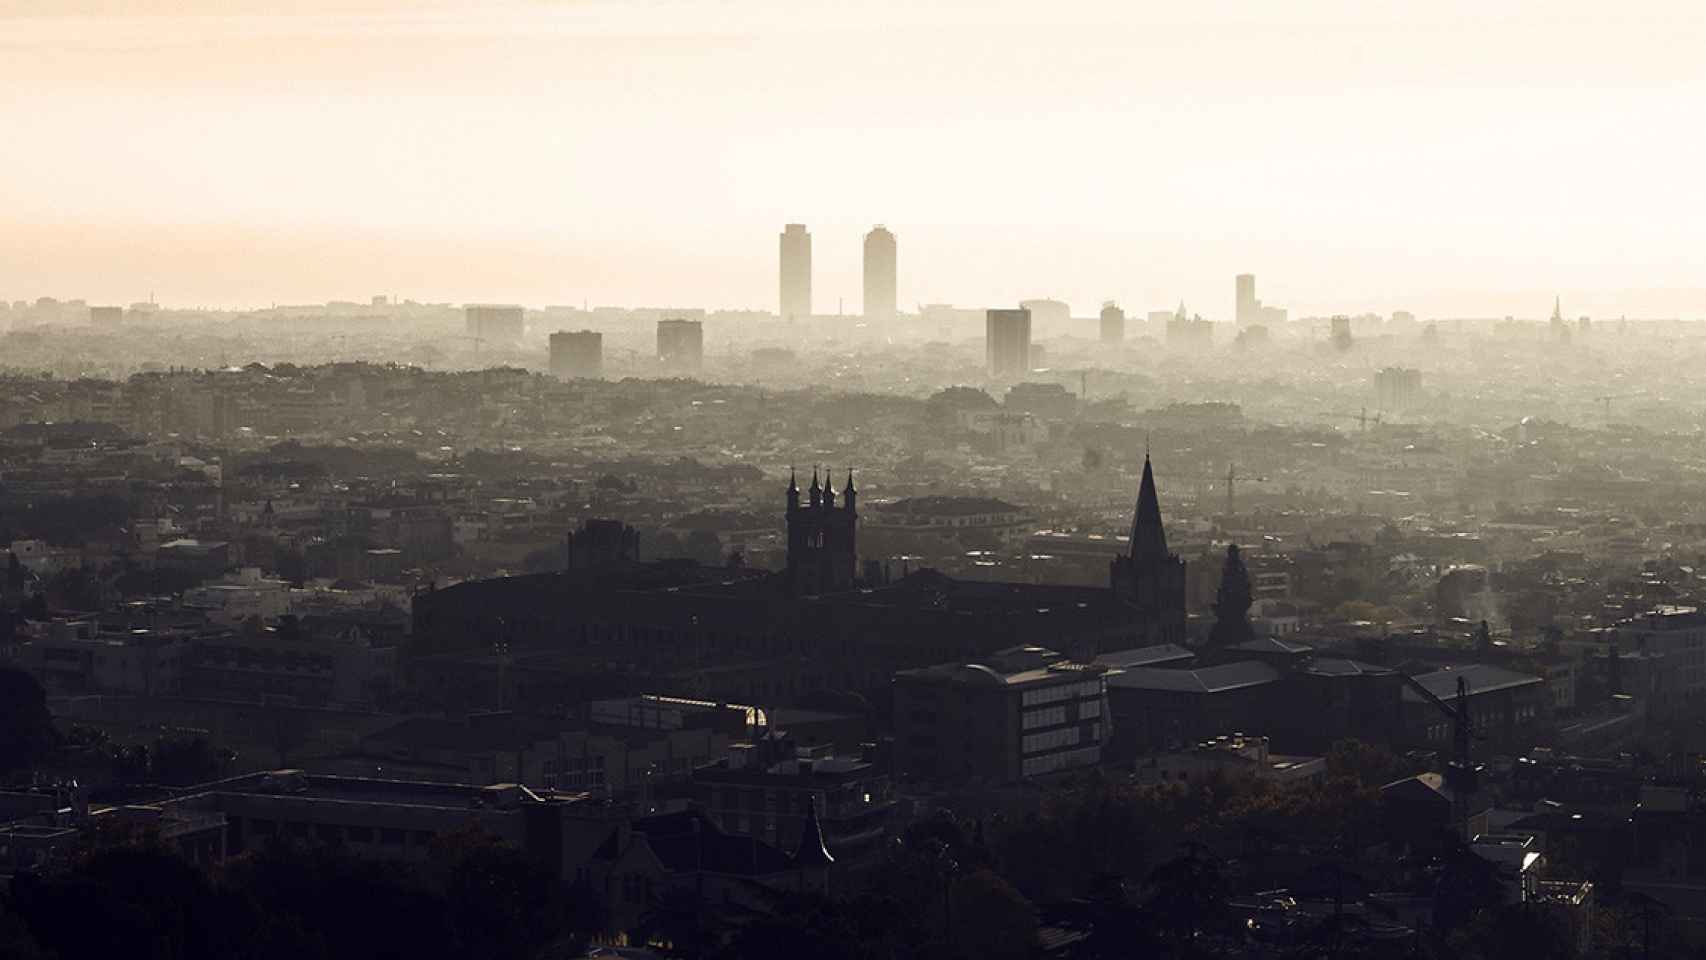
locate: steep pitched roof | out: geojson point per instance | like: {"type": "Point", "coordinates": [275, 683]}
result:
{"type": "Point", "coordinates": [1148, 539]}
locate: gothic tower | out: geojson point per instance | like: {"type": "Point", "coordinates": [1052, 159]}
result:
{"type": "Point", "coordinates": [822, 556]}
{"type": "Point", "coordinates": [1150, 579]}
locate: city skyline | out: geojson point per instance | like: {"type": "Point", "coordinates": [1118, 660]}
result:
{"type": "Point", "coordinates": [370, 146]}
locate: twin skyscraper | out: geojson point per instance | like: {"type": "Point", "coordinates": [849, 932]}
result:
{"type": "Point", "coordinates": [796, 273]}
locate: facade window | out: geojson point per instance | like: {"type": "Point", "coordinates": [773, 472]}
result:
{"type": "Point", "coordinates": [1050, 740]}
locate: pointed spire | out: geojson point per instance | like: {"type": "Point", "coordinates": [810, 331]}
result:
{"type": "Point", "coordinates": [793, 481]}
{"type": "Point", "coordinates": [1148, 539]}
{"type": "Point", "coordinates": [849, 487]}
{"type": "Point", "coordinates": [812, 852]}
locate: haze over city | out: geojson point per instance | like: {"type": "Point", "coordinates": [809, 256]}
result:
{"type": "Point", "coordinates": [1459, 158]}
{"type": "Point", "coordinates": [938, 480]}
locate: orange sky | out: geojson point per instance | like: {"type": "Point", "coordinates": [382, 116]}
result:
{"type": "Point", "coordinates": [1434, 156]}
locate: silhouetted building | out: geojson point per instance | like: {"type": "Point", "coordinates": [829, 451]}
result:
{"type": "Point", "coordinates": [578, 354]}
{"type": "Point", "coordinates": [1113, 323]}
{"type": "Point", "coordinates": [1007, 342]}
{"type": "Point", "coordinates": [881, 261]}
{"type": "Point", "coordinates": [106, 316]}
{"type": "Point", "coordinates": [1186, 330]}
{"type": "Point", "coordinates": [796, 272]}
{"type": "Point", "coordinates": [681, 344]}
{"type": "Point", "coordinates": [1341, 332]}
{"type": "Point", "coordinates": [603, 545]}
{"type": "Point", "coordinates": [1247, 308]}
{"type": "Point", "coordinates": [681, 629]}
{"type": "Point", "coordinates": [1013, 715]}
{"type": "Point", "coordinates": [1150, 578]}
{"type": "Point", "coordinates": [1397, 388]}
{"type": "Point", "coordinates": [495, 322]}
{"type": "Point", "coordinates": [822, 555]}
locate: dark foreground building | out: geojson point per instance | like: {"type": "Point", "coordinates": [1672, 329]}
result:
{"type": "Point", "coordinates": [771, 637]}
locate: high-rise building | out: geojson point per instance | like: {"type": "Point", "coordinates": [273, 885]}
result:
{"type": "Point", "coordinates": [796, 262]}
{"type": "Point", "coordinates": [1397, 388]}
{"type": "Point", "coordinates": [1113, 323]}
{"type": "Point", "coordinates": [1247, 309]}
{"type": "Point", "coordinates": [880, 269]}
{"type": "Point", "coordinates": [681, 344]}
{"type": "Point", "coordinates": [577, 355]}
{"type": "Point", "coordinates": [487, 321]}
{"type": "Point", "coordinates": [1007, 341]}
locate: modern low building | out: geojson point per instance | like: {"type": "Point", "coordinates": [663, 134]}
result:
{"type": "Point", "coordinates": [1165, 709]}
{"type": "Point", "coordinates": [1020, 713]}
{"type": "Point", "coordinates": [82, 656]}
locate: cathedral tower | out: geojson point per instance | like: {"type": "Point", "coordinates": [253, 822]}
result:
{"type": "Point", "coordinates": [822, 557]}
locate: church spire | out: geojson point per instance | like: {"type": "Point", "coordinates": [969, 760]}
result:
{"type": "Point", "coordinates": [793, 489]}
{"type": "Point", "coordinates": [1148, 539]}
{"type": "Point", "coordinates": [815, 491]}
{"type": "Point", "coordinates": [812, 852]}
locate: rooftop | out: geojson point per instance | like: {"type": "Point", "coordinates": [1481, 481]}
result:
{"type": "Point", "coordinates": [1481, 678]}
{"type": "Point", "coordinates": [1145, 656]}
{"type": "Point", "coordinates": [1217, 679]}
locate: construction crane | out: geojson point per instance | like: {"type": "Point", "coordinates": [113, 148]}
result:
{"type": "Point", "coordinates": [1461, 774]}
{"type": "Point", "coordinates": [1362, 418]}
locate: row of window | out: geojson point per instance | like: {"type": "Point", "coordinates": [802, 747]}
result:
{"type": "Point", "coordinates": [1052, 740]}
{"type": "Point", "coordinates": [334, 833]}
{"type": "Point", "coordinates": [1065, 760]}
{"type": "Point", "coordinates": [1043, 717]}
{"type": "Point", "coordinates": [1062, 691]}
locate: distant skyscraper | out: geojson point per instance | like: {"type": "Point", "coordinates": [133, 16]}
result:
{"type": "Point", "coordinates": [575, 355]}
{"type": "Point", "coordinates": [1113, 323]}
{"type": "Point", "coordinates": [1246, 308]}
{"type": "Point", "coordinates": [1007, 339]}
{"type": "Point", "coordinates": [681, 344]}
{"type": "Point", "coordinates": [796, 263]}
{"type": "Point", "coordinates": [880, 269]}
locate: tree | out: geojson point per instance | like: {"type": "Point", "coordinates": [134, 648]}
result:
{"type": "Point", "coordinates": [499, 903]}
{"type": "Point", "coordinates": [29, 736]}
{"type": "Point", "coordinates": [989, 918]}
{"type": "Point", "coordinates": [1232, 603]}
{"type": "Point", "coordinates": [1368, 764]}
{"type": "Point", "coordinates": [1188, 892]}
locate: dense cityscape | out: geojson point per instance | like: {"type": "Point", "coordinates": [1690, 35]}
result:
{"type": "Point", "coordinates": [797, 480]}
{"type": "Point", "coordinates": [941, 633]}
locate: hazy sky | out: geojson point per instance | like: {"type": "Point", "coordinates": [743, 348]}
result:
{"type": "Point", "coordinates": [1444, 156]}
